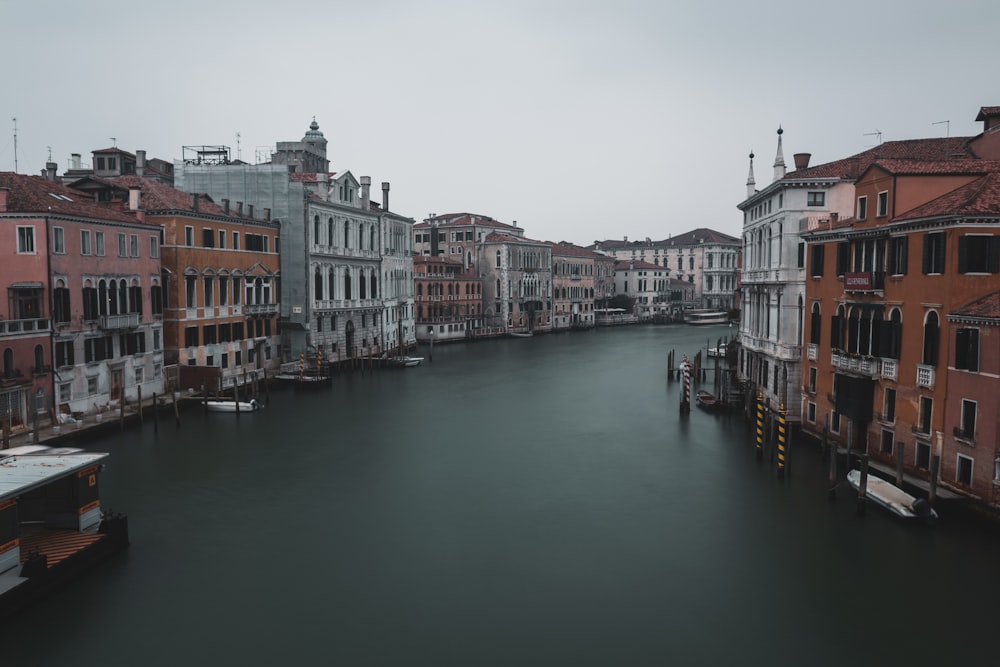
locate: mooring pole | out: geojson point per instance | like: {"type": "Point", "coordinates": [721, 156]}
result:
{"type": "Point", "coordinates": [138, 389]}
{"type": "Point", "coordinates": [832, 493]}
{"type": "Point", "coordinates": [760, 426]}
{"type": "Point", "coordinates": [899, 464]}
{"type": "Point", "coordinates": [863, 485]}
{"type": "Point", "coordinates": [781, 442]}
{"type": "Point", "coordinates": [156, 415]}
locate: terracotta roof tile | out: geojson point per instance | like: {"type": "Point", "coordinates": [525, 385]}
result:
{"type": "Point", "coordinates": [628, 264]}
{"type": "Point", "coordinates": [981, 197]}
{"type": "Point", "coordinates": [947, 148]}
{"type": "Point", "coordinates": [985, 307]}
{"type": "Point", "coordinates": [464, 219]}
{"type": "Point", "coordinates": [566, 249]}
{"type": "Point", "coordinates": [37, 194]}
{"type": "Point", "coordinates": [986, 112]}
{"type": "Point", "coordinates": [901, 167]}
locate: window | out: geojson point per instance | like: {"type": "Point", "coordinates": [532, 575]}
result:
{"type": "Point", "coordinates": [209, 333]}
{"type": "Point", "coordinates": [926, 409]}
{"type": "Point", "coordinates": [190, 296]}
{"type": "Point", "coordinates": [122, 246]}
{"type": "Point", "coordinates": [188, 236]}
{"type": "Point", "coordinates": [816, 199]}
{"type": "Point", "coordinates": [222, 238]}
{"type": "Point", "coordinates": [882, 205]}
{"type": "Point", "coordinates": [191, 337]}
{"type": "Point", "coordinates": [60, 303]}
{"type": "Point", "coordinates": [963, 470]}
{"type": "Point", "coordinates": [930, 339]}
{"type": "Point", "coordinates": [26, 240]}
{"type": "Point", "coordinates": [99, 244]}
{"type": "Point", "coordinates": [816, 263]}
{"type": "Point", "coordinates": [968, 428]}
{"type": "Point", "coordinates": [156, 300]}
{"type": "Point", "coordinates": [897, 256]}
{"type": "Point", "coordinates": [934, 247]}
{"type": "Point", "coordinates": [862, 208]}
{"type": "Point", "coordinates": [236, 240]}
{"type": "Point", "coordinates": [967, 349]}
{"type": "Point", "coordinates": [64, 353]}
{"type": "Point", "coordinates": [802, 255]}
{"type": "Point", "coordinates": [889, 406]}
{"type": "Point", "coordinates": [811, 412]}
{"type": "Point", "coordinates": [835, 422]}
{"type": "Point", "coordinates": [207, 238]}
{"type": "Point", "coordinates": [886, 441]}
{"type": "Point", "coordinates": [58, 240]}
{"type": "Point", "coordinates": [133, 245]}
{"type": "Point", "coordinates": [843, 257]}
{"type": "Point", "coordinates": [812, 380]}
{"type": "Point", "coordinates": [209, 291]}
{"type": "Point", "coordinates": [154, 246]}
{"type": "Point", "coordinates": [978, 253]}
{"type": "Point", "coordinates": [815, 325]}
{"type": "Point", "coordinates": [84, 241]}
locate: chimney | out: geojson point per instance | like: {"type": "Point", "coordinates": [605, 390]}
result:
{"type": "Point", "coordinates": [74, 161]}
{"type": "Point", "coordinates": [50, 171]}
{"type": "Point", "coordinates": [3, 199]}
{"type": "Point", "coordinates": [385, 195]}
{"type": "Point", "coordinates": [194, 201]}
{"type": "Point", "coordinates": [239, 209]}
{"type": "Point", "coordinates": [140, 163]}
{"type": "Point", "coordinates": [134, 198]}
{"type": "Point", "coordinates": [249, 210]}
{"type": "Point", "coordinates": [225, 207]}
{"type": "Point", "coordinates": [267, 214]}
{"type": "Point", "coordinates": [366, 186]}
{"type": "Point", "coordinates": [802, 160]}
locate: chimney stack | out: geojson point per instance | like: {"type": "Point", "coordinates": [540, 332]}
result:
{"type": "Point", "coordinates": [74, 161]}
{"type": "Point", "coordinates": [802, 160]}
{"type": "Point", "coordinates": [50, 171]}
{"type": "Point", "coordinates": [134, 198]}
{"type": "Point", "coordinates": [225, 206]}
{"type": "Point", "coordinates": [385, 196]}
{"type": "Point", "coordinates": [267, 214]}
{"type": "Point", "coordinates": [249, 210]}
{"type": "Point", "coordinates": [366, 186]}
{"type": "Point", "coordinates": [194, 201]}
{"type": "Point", "coordinates": [239, 209]}
{"type": "Point", "coordinates": [140, 163]}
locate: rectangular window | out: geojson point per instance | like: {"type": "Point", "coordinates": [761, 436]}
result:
{"type": "Point", "coordinates": [122, 246]}
{"type": "Point", "coordinates": [882, 206]}
{"type": "Point", "coordinates": [207, 238]}
{"type": "Point", "coordinates": [835, 422]}
{"type": "Point", "coordinates": [812, 380]}
{"type": "Point", "coordinates": [889, 406]}
{"type": "Point", "coordinates": [862, 208]}
{"type": "Point", "coordinates": [58, 240]}
{"type": "Point", "coordinates": [934, 248]}
{"type": "Point", "coordinates": [926, 409]}
{"type": "Point", "coordinates": [191, 337]}
{"type": "Point", "coordinates": [209, 291]}
{"type": "Point", "coordinates": [816, 199]}
{"type": "Point", "coordinates": [236, 240]}
{"type": "Point", "coordinates": [91, 386]}
{"type": "Point", "coordinates": [811, 412]}
{"type": "Point", "coordinates": [978, 253]}
{"type": "Point", "coordinates": [897, 256]}
{"type": "Point", "coordinates": [154, 247]}
{"type": "Point", "coordinates": [26, 240]}
{"type": "Point", "coordinates": [84, 241]}
{"type": "Point", "coordinates": [816, 265]}
{"type": "Point", "coordinates": [963, 470]}
{"type": "Point", "coordinates": [133, 245]}
{"type": "Point", "coordinates": [802, 256]}
{"type": "Point", "coordinates": [886, 441]}
{"type": "Point", "coordinates": [209, 333]}
{"type": "Point", "coordinates": [968, 428]}
{"type": "Point", "coordinates": [190, 285]}
{"type": "Point", "coordinates": [222, 238]}
{"type": "Point", "coordinates": [843, 257]}
{"type": "Point", "coordinates": [64, 353]}
{"type": "Point", "coordinates": [967, 349]}
{"type": "Point", "coordinates": [99, 244]}
{"type": "Point", "coordinates": [189, 236]}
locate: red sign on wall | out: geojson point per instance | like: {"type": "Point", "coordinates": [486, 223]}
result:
{"type": "Point", "coordinates": [858, 281]}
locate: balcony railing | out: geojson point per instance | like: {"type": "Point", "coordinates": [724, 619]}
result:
{"type": "Point", "coordinates": [925, 376]}
{"type": "Point", "coordinates": [118, 322]}
{"type": "Point", "coordinates": [889, 368]}
{"type": "Point", "coordinates": [966, 437]}
{"type": "Point", "coordinates": [812, 351]}
{"type": "Point", "coordinates": [41, 324]}
{"type": "Point", "coordinates": [856, 363]}
{"type": "Point", "coordinates": [261, 308]}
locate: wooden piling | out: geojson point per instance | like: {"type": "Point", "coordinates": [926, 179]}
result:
{"type": "Point", "coordinates": [121, 411]}
{"type": "Point", "coordinates": [177, 414]}
{"type": "Point", "coordinates": [267, 392]}
{"type": "Point", "coordinates": [782, 459]}
{"type": "Point", "coordinates": [236, 397]}
{"type": "Point", "coordinates": [760, 427]}
{"type": "Point", "coordinates": [156, 415]}
{"type": "Point", "coordinates": [899, 464]}
{"type": "Point", "coordinates": [863, 485]}
{"type": "Point", "coordinates": [832, 493]}
{"type": "Point", "coordinates": [935, 466]}
{"type": "Point", "coordinates": [138, 389]}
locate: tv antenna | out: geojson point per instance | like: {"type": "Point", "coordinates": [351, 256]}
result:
{"type": "Point", "coordinates": [114, 142]}
{"type": "Point", "coordinates": [239, 154]}
{"type": "Point", "coordinates": [15, 144]}
{"type": "Point", "coordinates": [876, 133]}
{"type": "Point", "coordinates": [50, 153]}
{"type": "Point", "coordinates": [947, 126]}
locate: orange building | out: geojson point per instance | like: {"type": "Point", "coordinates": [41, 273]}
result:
{"type": "Point", "coordinates": [449, 297]}
{"type": "Point", "coordinates": [887, 294]}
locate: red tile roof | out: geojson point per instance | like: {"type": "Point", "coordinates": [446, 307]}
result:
{"type": "Point", "coordinates": [566, 249]}
{"type": "Point", "coordinates": [693, 237]}
{"type": "Point", "coordinates": [628, 264]}
{"type": "Point", "coordinates": [37, 194]}
{"type": "Point", "coordinates": [901, 167]}
{"type": "Point", "coordinates": [985, 307]}
{"type": "Point", "coordinates": [499, 237]}
{"type": "Point", "coordinates": [460, 219]}
{"type": "Point", "coordinates": [981, 197]}
{"type": "Point", "coordinates": [947, 148]}
{"type": "Point", "coordinates": [986, 112]}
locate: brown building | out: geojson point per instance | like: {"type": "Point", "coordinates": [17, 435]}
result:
{"type": "Point", "coordinates": [582, 280]}
{"type": "Point", "coordinates": [449, 298]}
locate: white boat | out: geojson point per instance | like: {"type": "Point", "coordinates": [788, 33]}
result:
{"type": "Point", "coordinates": [891, 497]}
{"type": "Point", "coordinates": [706, 316]}
{"type": "Point", "coordinates": [405, 361]}
{"type": "Point", "coordinates": [717, 351]}
{"type": "Point", "coordinates": [521, 334]}
{"type": "Point", "coordinates": [224, 405]}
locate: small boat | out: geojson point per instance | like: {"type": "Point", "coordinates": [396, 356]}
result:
{"type": "Point", "coordinates": [405, 361]}
{"type": "Point", "coordinates": [521, 334]}
{"type": "Point", "coordinates": [702, 316]}
{"type": "Point", "coordinates": [706, 400]}
{"type": "Point", "coordinates": [717, 351]}
{"type": "Point", "coordinates": [891, 497]}
{"type": "Point", "coordinates": [224, 405]}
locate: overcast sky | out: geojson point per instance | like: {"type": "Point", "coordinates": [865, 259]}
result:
{"type": "Point", "coordinates": [581, 120]}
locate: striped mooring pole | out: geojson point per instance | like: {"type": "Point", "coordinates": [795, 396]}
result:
{"type": "Point", "coordinates": [760, 427]}
{"type": "Point", "coordinates": [302, 364]}
{"type": "Point", "coordinates": [781, 441]}
{"type": "Point", "coordinates": [686, 393]}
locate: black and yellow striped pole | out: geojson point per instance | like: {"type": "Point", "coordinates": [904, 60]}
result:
{"type": "Point", "coordinates": [319, 362]}
{"type": "Point", "coordinates": [302, 364]}
{"type": "Point", "coordinates": [760, 426]}
{"type": "Point", "coordinates": [781, 441]}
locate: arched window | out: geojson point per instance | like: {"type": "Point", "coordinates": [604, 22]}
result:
{"type": "Point", "coordinates": [374, 286]}
{"type": "Point", "coordinates": [815, 325]}
{"type": "Point", "coordinates": [318, 285]}
{"type": "Point", "coordinates": [853, 326]}
{"type": "Point", "coordinates": [931, 325]}
{"type": "Point", "coordinates": [498, 264]}
{"type": "Point", "coordinates": [331, 283]}
{"type": "Point", "coordinates": [39, 358]}
{"type": "Point", "coordinates": [362, 288]}
{"type": "Point", "coordinates": [420, 289]}
{"type": "Point", "coordinates": [895, 334]}
{"type": "Point", "coordinates": [347, 283]}
{"type": "Point", "coordinates": [102, 298]}
{"type": "Point", "coordinates": [329, 231]}
{"type": "Point", "coordinates": [347, 234]}
{"type": "Point", "coordinates": [371, 241]}
{"type": "Point", "coordinates": [316, 229]}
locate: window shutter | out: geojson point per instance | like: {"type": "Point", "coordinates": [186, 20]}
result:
{"type": "Point", "coordinates": [994, 254]}
{"type": "Point", "coordinates": [835, 328]}
{"type": "Point", "coordinates": [973, 354]}
{"type": "Point", "coordinates": [903, 252]}
{"type": "Point", "coordinates": [963, 254]}
{"type": "Point", "coordinates": [962, 349]}
{"type": "Point", "coordinates": [926, 268]}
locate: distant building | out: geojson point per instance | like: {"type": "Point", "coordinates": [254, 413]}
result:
{"type": "Point", "coordinates": [449, 298]}
{"type": "Point", "coordinates": [517, 282]}
{"type": "Point", "coordinates": [649, 287]}
{"type": "Point", "coordinates": [582, 281]}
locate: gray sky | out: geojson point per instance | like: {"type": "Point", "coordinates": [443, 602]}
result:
{"type": "Point", "coordinates": [580, 120]}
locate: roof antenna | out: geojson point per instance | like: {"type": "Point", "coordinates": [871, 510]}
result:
{"type": "Point", "coordinates": [50, 153]}
{"type": "Point", "coordinates": [15, 144]}
{"type": "Point", "coordinates": [947, 126]}
{"type": "Point", "coordinates": [114, 142]}
{"type": "Point", "coordinates": [239, 154]}
{"type": "Point", "coordinates": [876, 133]}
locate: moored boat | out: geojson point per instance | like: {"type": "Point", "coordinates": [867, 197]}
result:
{"type": "Point", "coordinates": [706, 400]}
{"type": "Point", "coordinates": [521, 334]}
{"type": "Point", "coordinates": [891, 497]}
{"type": "Point", "coordinates": [702, 316]}
{"type": "Point", "coordinates": [52, 525]}
{"type": "Point", "coordinates": [405, 361]}
{"type": "Point", "coordinates": [224, 405]}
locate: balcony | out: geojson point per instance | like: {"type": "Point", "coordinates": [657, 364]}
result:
{"type": "Point", "coordinates": [118, 322]}
{"type": "Point", "coordinates": [261, 308]}
{"type": "Point", "coordinates": [964, 436]}
{"type": "Point", "coordinates": [36, 325]}
{"type": "Point", "coordinates": [811, 351]}
{"type": "Point", "coordinates": [889, 368]}
{"type": "Point", "coordinates": [925, 376]}
{"type": "Point", "coordinates": [864, 282]}
{"type": "Point", "coordinates": [856, 363]}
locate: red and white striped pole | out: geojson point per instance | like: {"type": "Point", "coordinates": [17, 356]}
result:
{"type": "Point", "coordinates": [686, 395]}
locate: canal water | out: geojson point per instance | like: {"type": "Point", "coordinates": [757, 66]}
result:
{"type": "Point", "coordinates": [513, 502]}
